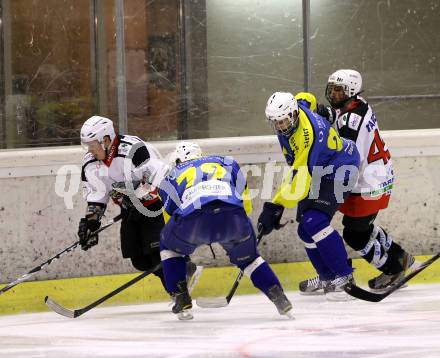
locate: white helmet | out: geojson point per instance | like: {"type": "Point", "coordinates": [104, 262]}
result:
{"type": "Point", "coordinates": [349, 80]}
{"type": "Point", "coordinates": [96, 128]}
{"type": "Point", "coordinates": [185, 151]}
{"type": "Point", "coordinates": [282, 112]}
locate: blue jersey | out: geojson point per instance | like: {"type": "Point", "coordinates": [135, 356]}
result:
{"type": "Point", "coordinates": [196, 182]}
{"type": "Point", "coordinates": [314, 143]}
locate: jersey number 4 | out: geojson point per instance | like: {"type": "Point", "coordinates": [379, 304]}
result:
{"type": "Point", "coordinates": [377, 150]}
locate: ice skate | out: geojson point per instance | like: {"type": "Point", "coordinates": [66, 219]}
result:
{"type": "Point", "coordinates": [384, 281]}
{"type": "Point", "coordinates": [280, 300]}
{"type": "Point", "coordinates": [334, 289]}
{"type": "Point", "coordinates": [183, 303]}
{"type": "Point", "coordinates": [193, 273]}
{"type": "Point", "coordinates": [311, 286]}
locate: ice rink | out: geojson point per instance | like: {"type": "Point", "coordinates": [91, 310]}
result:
{"type": "Point", "coordinates": [406, 324]}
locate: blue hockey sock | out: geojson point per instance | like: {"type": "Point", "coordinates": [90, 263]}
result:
{"type": "Point", "coordinates": [333, 253]}
{"type": "Point", "coordinates": [174, 268]}
{"type": "Point", "coordinates": [318, 263]}
{"type": "Point", "coordinates": [261, 275]}
{"type": "Point", "coordinates": [314, 256]}
{"type": "Point", "coordinates": [329, 244]}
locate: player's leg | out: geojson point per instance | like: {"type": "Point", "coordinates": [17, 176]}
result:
{"type": "Point", "coordinates": [374, 245]}
{"type": "Point", "coordinates": [324, 244]}
{"type": "Point", "coordinates": [313, 286]}
{"type": "Point", "coordinates": [242, 251]}
{"type": "Point", "coordinates": [174, 249]}
{"type": "Point", "coordinates": [140, 236]}
{"type": "Point", "coordinates": [315, 224]}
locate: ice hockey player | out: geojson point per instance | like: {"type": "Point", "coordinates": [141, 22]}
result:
{"type": "Point", "coordinates": [205, 202]}
{"type": "Point", "coordinates": [114, 159]}
{"type": "Point", "coordinates": [354, 119]}
{"type": "Point", "coordinates": [323, 171]}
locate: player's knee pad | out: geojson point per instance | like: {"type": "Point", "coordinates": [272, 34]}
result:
{"type": "Point", "coordinates": [315, 225]}
{"type": "Point", "coordinates": [249, 267]}
{"type": "Point", "coordinates": [306, 238]}
{"type": "Point", "coordinates": [359, 224]}
{"type": "Point", "coordinates": [357, 231]}
{"type": "Point", "coordinates": [357, 240]}
{"type": "Point", "coordinates": [166, 254]}
{"type": "Point", "coordinates": [241, 253]}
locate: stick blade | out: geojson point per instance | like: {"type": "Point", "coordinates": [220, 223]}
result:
{"type": "Point", "coordinates": [211, 302]}
{"type": "Point", "coordinates": [360, 293]}
{"type": "Point", "coordinates": [365, 295]}
{"type": "Point", "coordinates": [59, 309]}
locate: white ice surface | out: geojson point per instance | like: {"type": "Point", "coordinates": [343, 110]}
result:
{"type": "Point", "coordinates": [406, 324]}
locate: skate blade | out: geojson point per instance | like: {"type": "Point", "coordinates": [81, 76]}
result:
{"type": "Point", "coordinates": [313, 293]}
{"type": "Point", "coordinates": [211, 302]}
{"type": "Point", "coordinates": [338, 297]}
{"type": "Point", "coordinates": [289, 314]}
{"type": "Point", "coordinates": [185, 315]}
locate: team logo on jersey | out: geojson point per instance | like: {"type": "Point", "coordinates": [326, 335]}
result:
{"type": "Point", "coordinates": [293, 145]}
{"type": "Point", "coordinates": [124, 148]}
{"type": "Point", "coordinates": [306, 137]}
{"type": "Point", "coordinates": [342, 121]}
{"type": "Point", "coordinates": [354, 121]}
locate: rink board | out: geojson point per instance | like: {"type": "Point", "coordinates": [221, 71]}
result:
{"type": "Point", "coordinates": [78, 292]}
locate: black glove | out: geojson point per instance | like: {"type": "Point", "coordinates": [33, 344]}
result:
{"type": "Point", "coordinates": [328, 113]}
{"type": "Point", "coordinates": [270, 217]}
{"type": "Point", "coordinates": [85, 228]}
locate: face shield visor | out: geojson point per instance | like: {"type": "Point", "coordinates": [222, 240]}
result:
{"type": "Point", "coordinates": [93, 146]}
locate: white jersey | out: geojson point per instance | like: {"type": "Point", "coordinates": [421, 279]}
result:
{"type": "Point", "coordinates": [376, 175]}
{"type": "Point", "coordinates": [127, 161]}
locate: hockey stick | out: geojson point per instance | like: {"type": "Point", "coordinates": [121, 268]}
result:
{"type": "Point", "coordinates": [54, 306]}
{"type": "Point", "coordinates": [217, 302]}
{"type": "Point", "coordinates": [72, 247]}
{"type": "Point", "coordinates": [365, 295]}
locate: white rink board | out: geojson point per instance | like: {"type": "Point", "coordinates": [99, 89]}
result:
{"type": "Point", "coordinates": [406, 324]}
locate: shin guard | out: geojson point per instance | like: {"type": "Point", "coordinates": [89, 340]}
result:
{"type": "Point", "coordinates": [329, 243]}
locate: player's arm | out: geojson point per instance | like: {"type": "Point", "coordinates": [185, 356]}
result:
{"type": "Point", "coordinates": [307, 99]}
{"type": "Point", "coordinates": [296, 184]}
{"type": "Point", "coordinates": [241, 186]}
{"type": "Point", "coordinates": [147, 171]}
{"type": "Point", "coordinates": [295, 187]}
{"type": "Point", "coordinates": [96, 193]}
{"type": "Point", "coordinates": [169, 197]}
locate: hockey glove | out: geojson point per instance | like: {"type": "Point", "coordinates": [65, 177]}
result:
{"type": "Point", "coordinates": [270, 217]}
{"type": "Point", "coordinates": [328, 113]}
{"type": "Point", "coordinates": [85, 229]}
